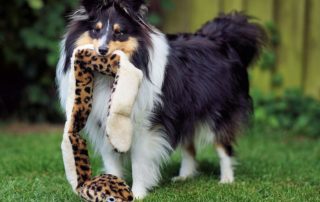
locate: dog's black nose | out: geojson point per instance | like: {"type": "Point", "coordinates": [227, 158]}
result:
{"type": "Point", "coordinates": [103, 50]}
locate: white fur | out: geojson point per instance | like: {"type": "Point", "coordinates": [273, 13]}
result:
{"type": "Point", "coordinates": [104, 39]}
{"type": "Point", "coordinates": [112, 161]}
{"type": "Point", "coordinates": [188, 164]}
{"type": "Point", "coordinates": [79, 15]}
{"type": "Point", "coordinates": [62, 79]}
{"type": "Point", "coordinates": [226, 166]}
{"type": "Point", "coordinates": [204, 135]}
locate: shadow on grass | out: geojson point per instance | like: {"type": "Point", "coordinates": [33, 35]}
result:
{"type": "Point", "coordinates": [206, 169]}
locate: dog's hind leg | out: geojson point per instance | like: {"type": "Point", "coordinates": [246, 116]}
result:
{"type": "Point", "coordinates": [225, 153]}
{"type": "Point", "coordinates": [188, 167]}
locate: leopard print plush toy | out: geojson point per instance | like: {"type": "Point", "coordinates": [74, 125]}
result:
{"type": "Point", "coordinates": [74, 148]}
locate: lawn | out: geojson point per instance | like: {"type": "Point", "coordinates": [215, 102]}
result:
{"type": "Point", "coordinates": [273, 166]}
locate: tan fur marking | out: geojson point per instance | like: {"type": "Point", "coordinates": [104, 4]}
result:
{"type": "Point", "coordinates": [128, 47]}
{"type": "Point", "coordinates": [116, 28]}
{"type": "Point", "coordinates": [99, 25]}
{"type": "Point", "coordinates": [84, 39]}
{"type": "Point", "coordinates": [191, 149]}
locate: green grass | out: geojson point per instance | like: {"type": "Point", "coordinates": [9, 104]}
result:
{"type": "Point", "coordinates": [272, 167]}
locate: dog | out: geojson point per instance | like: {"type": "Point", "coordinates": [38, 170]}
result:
{"type": "Point", "coordinates": [195, 86]}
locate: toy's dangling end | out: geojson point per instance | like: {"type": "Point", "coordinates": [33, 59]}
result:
{"type": "Point", "coordinates": [125, 91]}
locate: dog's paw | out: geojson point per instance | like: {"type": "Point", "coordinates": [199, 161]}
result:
{"type": "Point", "coordinates": [179, 179]}
{"type": "Point", "coordinates": [182, 178]}
{"type": "Point", "coordinates": [139, 193]}
{"type": "Point", "coordinates": [226, 180]}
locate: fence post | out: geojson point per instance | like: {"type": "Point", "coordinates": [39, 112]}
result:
{"type": "Point", "coordinates": [312, 81]}
{"type": "Point", "coordinates": [291, 24]}
{"type": "Point", "coordinates": [264, 11]}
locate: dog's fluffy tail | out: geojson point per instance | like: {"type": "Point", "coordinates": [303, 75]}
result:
{"type": "Point", "coordinates": [236, 32]}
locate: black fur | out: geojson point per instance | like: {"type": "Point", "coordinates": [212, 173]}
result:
{"type": "Point", "coordinates": [76, 29]}
{"type": "Point", "coordinates": [90, 5]}
{"type": "Point", "coordinates": [207, 80]}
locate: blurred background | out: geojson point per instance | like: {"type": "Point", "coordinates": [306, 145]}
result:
{"type": "Point", "coordinates": [285, 83]}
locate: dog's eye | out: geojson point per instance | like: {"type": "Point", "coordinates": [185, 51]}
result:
{"type": "Point", "coordinates": [118, 33]}
{"type": "Point", "coordinates": [95, 31]}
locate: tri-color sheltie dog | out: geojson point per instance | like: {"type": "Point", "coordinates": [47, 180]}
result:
{"type": "Point", "coordinates": [195, 86]}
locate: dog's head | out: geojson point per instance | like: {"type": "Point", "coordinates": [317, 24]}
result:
{"type": "Point", "coordinates": [114, 25]}
{"type": "Point", "coordinates": [111, 25]}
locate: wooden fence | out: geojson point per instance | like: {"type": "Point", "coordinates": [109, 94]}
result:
{"type": "Point", "coordinates": [297, 21]}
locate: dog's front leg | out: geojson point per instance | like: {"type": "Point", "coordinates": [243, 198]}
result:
{"type": "Point", "coordinates": [149, 150]}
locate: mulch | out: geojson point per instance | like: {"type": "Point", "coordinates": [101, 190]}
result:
{"type": "Point", "coordinates": [19, 128]}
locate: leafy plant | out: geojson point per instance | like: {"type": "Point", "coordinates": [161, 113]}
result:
{"type": "Point", "coordinates": [157, 7]}
{"type": "Point", "coordinates": [30, 39]}
{"type": "Point", "coordinates": [269, 58]}
{"type": "Point", "coordinates": [293, 111]}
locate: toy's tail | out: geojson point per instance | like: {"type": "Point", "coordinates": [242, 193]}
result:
{"type": "Point", "coordinates": [236, 32]}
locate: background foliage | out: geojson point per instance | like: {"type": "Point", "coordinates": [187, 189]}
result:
{"type": "Point", "coordinates": [292, 112]}
{"type": "Point", "coordinates": [29, 39]}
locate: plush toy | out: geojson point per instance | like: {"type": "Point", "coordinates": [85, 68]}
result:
{"type": "Point", "coordinates": [119, 127]}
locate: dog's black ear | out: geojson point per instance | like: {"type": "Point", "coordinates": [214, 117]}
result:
{"type": "Point", "coordinates": [90, 5]}
{"type": "Point", "coordinates": [135, 6]}
{"type": "Point", "coordinates": [143, 10]}
{"type": "Point", "coordinates": [136, 9]}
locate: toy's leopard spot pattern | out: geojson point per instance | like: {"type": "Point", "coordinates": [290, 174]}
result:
{"type": "Point", "coordinates": [81, 158]}
{"type": "Point", "coordinates": [86, 62]}
{"type": "Point", "coordinates": [104, 187]}
{"type": "Point", "coordinates": [107, 65]}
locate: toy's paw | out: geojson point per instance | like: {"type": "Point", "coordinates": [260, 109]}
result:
{"type": "Point", "coordinates": [125, 61]}
{"type": "Point", "coordinates": [119, 130]}
{"type": "Point", "coordinates": [115, 60]}
{"type": "Point", "coordinates": [121, 54]}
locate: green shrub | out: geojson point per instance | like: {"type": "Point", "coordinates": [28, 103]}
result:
{"type": "Point", "coordinates": [29, 38]}
{"type": "Point", "coordinates": [293, 111]}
